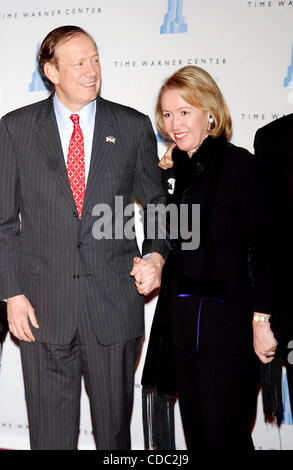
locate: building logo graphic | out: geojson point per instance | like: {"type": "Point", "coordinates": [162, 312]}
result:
{"type": "Point", "coordinates": [287, 413]}
{"type": "Point", "coordinates": [160, 138]}
{"type": "Point", "coordinates": [38, 83]}
{"type": "Point", "coordinates": [174, 22]}
{"type": "Point", "coordinates": [288, 81]}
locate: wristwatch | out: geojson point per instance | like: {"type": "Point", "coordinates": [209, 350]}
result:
{"type": "Point", "coordinates": [260, 318]}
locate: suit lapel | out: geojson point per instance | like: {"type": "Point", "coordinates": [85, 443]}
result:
{"type": "Point", "coordinates": [102, 148]}
{"type": "Point", "coordinates": [50, 144]}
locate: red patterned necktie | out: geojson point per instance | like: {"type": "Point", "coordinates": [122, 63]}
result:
{"type": "Point", "coordinates": [75, 164]}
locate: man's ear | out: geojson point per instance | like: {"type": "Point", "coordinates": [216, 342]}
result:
{"type": "Point", "coordinates": [51, 72]}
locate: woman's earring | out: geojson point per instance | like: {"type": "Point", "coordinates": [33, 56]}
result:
{"type": "Point", "coordinates": [211, 119]}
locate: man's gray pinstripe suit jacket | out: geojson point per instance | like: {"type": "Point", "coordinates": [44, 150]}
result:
{"type": "Point", "coordinates": [52, 256]}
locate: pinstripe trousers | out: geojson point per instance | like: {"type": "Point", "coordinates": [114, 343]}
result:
{"type": "Point", "coordinates": [52, 379]}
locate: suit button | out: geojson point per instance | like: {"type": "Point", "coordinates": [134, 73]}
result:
{"type": "Point", "coordinates": [76, 276]}
{"type": "Point", "coordinates": [79, 244]}
{"type": "Point", "coordinates": [75, 214]}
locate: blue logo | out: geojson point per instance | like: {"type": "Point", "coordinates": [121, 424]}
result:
{"type": "Point", "coordinates": [287, 413]}
{"type": "Point", "coordinates": [160, 138]}
{"type": "Point", "coordinates": [38, 83]}
{"type": "Point", "coordinates": [174, 22]}
{"type": "Point", "coordinates": [288, 81]}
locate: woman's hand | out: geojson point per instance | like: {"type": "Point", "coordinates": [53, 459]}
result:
{"type": "Point", "coordinates": [166, 161]}
{"type": "Point", "coordinates": [264, 341]}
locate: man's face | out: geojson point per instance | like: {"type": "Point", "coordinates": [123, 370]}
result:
{"type": "Point", "coordinates": [77, 74]}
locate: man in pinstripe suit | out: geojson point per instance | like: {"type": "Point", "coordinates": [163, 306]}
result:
{"type": "Point", "coordinates": [71, 300]}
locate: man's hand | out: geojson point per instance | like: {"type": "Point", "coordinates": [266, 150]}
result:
{"type": "Point", "coordinates": [19, 312]}
{"type": "Point", "coordinates": [264, 341]}
{"type": "Point", "coordinates": [166, 161]}
{"type": "Point", "coordinates": [147, 272]}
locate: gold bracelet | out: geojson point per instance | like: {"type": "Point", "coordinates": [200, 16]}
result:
{"type": "Point", "coordinates": [260, 318]}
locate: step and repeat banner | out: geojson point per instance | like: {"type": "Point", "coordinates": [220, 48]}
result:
{"type": "Point", "coordinates": [247, 46]}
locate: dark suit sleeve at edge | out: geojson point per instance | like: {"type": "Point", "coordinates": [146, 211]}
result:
{"type": "Point", "coordinates": [259, 253]}
{"type": "Point", "coordinates": [9, 215]}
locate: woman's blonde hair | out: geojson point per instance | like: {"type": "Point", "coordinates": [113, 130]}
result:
{"type": "Point", "coordinates": [198, 88]}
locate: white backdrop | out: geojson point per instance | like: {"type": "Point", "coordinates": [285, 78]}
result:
{"type": "Point", "coordinates": [246, 45]}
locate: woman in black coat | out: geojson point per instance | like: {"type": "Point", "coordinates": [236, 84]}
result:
{"type": "Point", "coordinates": [201, 343]}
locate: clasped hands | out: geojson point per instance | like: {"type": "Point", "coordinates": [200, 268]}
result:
{"type": "Point", "coordinates": [147, 272]}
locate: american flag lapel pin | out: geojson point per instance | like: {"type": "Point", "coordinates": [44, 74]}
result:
{"type": "Point", "coordinates": [111, 139]}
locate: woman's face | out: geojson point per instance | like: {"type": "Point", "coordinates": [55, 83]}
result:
{"type": "Point", "coordinates": [184, 123]}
